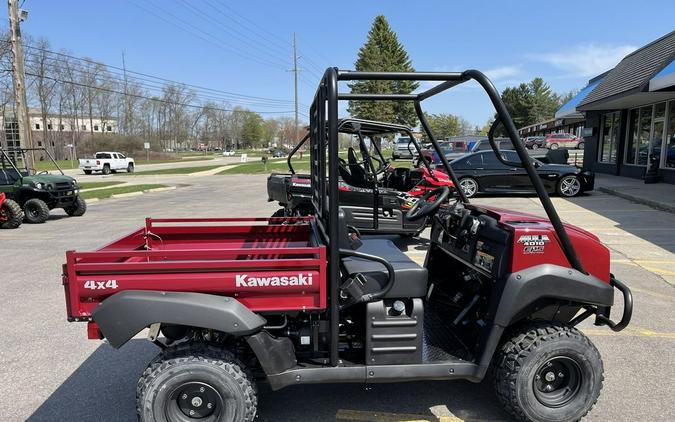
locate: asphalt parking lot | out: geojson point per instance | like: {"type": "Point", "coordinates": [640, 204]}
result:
{"type": "Point", "coordinates": [51, 372]}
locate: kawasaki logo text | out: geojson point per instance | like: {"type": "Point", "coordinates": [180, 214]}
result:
{"type": "Point", "coordinates": [243, 280]}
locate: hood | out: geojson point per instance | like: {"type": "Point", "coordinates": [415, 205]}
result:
{"type": "Point", "coordinates": [48, 179]}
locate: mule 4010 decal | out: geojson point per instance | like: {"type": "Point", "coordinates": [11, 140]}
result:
{"type": "Point", "coordinates": [533, 243]}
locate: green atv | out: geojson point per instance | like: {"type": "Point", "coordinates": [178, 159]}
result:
{"type": "Point", "coordinates": [37, 193]}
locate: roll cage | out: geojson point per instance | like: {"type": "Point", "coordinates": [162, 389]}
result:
{"type": "Point", "coordinates": [11, 157]}
{"type": "Point", "coordinates": [324, 160]}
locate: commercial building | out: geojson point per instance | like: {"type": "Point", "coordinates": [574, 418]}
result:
{"type": "Point", "coordinates": [630, 115]}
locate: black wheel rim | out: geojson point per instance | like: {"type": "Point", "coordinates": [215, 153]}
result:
{"type": "Point", "coordinates": [195, 401]}
{"type": "Point", "coordinates": [557, 381]}
{"type": "Point", "coordinates": [33, 211]}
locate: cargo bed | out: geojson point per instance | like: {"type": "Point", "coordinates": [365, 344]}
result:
{"type": "Point", "coordinates": [268, 264]}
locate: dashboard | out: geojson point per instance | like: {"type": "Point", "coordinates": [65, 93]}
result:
{"type": "Point", "coordinates": [474, 238]}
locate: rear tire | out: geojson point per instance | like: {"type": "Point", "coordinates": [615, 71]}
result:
{"type": "Point", "coordinates": [35, 211]}
{"type": "Point", "coordinates": [87, 172]}
{"type": "Point", "coordinates": [554, 146]}
{"type": "Point", "coordinates": [469, 185]}
{"type": "Point", "coordinates": [548, 372]}
{"type": "Point", "coordinates": [106, 170]}
{"type": "Point", "coordinates": [11, 215]}
{"type": "Point", "coordinates": [580, 145]}
{"type": "Point", "coordinates": [535, 146]}
{"type": "Point", "coordinates": [78, 208]}
{"type": "Point", "coordinates": [187, 378]}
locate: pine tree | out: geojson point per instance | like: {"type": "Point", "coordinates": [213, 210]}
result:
{"type": "Point", "coordinates": [383, 52]}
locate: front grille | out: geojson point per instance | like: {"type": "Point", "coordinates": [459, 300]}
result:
{"type": "Point", "coordinates": [62, 186]}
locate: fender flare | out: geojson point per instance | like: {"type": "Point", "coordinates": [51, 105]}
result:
{"type": "Point", "coordinates": [125, 314]}
{"type": "Point", "coordinates": [549, 281]}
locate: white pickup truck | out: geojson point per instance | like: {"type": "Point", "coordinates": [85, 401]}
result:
{"type": "Point", "coordinates": [107, 162]}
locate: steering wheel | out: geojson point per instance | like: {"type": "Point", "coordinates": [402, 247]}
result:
{"type": "Point", "coordinates": [424, 208]}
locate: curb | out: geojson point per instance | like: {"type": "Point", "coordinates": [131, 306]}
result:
{"type": "Point", "coordinates": [126, 195]}
{"type": "Point", "coordinates": [653, 204]}
{"type": "Point", "coordinates": [159, 189]}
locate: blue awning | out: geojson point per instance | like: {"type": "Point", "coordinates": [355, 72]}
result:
{"type": "Point", "coordinates": [569, 109]}
{"type": "Point", "coordinates": [664, 79]}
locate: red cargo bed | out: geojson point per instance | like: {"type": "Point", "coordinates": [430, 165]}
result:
{"type": "Point", "coordinates": [265, 265]}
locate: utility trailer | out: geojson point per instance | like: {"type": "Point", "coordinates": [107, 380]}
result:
{"type": "Point", "coordinates": [299, 301]}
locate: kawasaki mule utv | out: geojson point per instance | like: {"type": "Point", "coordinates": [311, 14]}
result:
{"type": "Point", "coordinates": [367, 183]}
{"type": "Point", "coordinates": [38, 192]}
{"type": "Point", "coordinates": [233, 300]}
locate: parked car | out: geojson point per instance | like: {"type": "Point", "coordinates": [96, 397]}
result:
{"type": "Point", "coordinates": [403, 148]}
{"type": "Point", "coordinates": [228, 153]}
{"type": "Point", "coordinates": [482, 172]}
{"type": "Point", "coordinates": [107, 162]}
{"type": "Point", "coordinates": [563, 140]}
{"type": "Point", "coordinates": [535, 142]}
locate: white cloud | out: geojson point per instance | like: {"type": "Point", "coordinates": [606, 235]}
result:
{"type": "Point", "coordinates": [503, 72]}
{"type": "Point", "coordinates": [586, 60]}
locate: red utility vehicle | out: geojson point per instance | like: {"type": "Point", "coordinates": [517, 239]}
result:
{"type": "Point", "coordinates": [11, 214]}
{"type": "Point", "coordinates": [307, 300]}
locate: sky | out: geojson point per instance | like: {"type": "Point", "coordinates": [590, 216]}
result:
{"type": "Point", "coordinates": [244, 47]}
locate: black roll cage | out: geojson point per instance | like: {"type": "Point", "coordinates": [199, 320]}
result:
{"type": "Point", "coordinates": [4, 156]}
{"type": "Point", "coordinates": [323, 135]}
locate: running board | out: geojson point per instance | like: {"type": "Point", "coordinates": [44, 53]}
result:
{"type": "Point", "coordinates": [377, 374]}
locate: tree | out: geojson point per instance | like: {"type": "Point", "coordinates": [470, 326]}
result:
{"type": "Point", "coordinates": [544, 102]}
{"type": "Point", "coordinates": [383, 52]}
{"type": "Point", "coordinates": [443, 125]}
{"type": "Point", "coordinates": [252, 130]}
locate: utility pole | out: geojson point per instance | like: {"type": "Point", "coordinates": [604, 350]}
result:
{"type": "Point", "coordinates": [127, 112]}
{"type": "Point", "coordinates": [295, 74]}
{"type": "Point", "coordinates": [19, 76]}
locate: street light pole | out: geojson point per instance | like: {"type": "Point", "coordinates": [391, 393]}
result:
{"type": "Point", "coordinates": [19, 77]}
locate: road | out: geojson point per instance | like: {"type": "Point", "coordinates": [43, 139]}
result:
{"type": "Point", "coordinates": [51, 372]}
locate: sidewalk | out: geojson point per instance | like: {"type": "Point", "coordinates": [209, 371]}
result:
{"type": "Point", "coordinates": [657, 195]}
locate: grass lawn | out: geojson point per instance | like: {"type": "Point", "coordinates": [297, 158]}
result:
{"type": "Point", "coordinates": [68, 165]}
{"type": "Point", "coordinates": [93, 185]}
{"type": "Point", "coordinates": [179, 170]}
{"type": "Point", "coordinates": [107, 193]}
{"type": "Point", "coordinates": [273, 166]}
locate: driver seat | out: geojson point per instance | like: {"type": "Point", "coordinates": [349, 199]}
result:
{"type": "Point", "coordinates": [410, 279]}
{"type": "Point", "coordinates": [357, 172]}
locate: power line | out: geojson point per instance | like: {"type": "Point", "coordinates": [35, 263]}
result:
{"type": "Point", "coordinates": [160, 100]}
{"type": "Point", "coordinates": [145, 75]}
{"type": "Point", "coordinates": [209, 37]}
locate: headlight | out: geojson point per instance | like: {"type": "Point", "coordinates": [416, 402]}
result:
{"type": "Point", "coordinates": [38, 185]}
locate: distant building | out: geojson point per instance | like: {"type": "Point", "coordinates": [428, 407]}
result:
{"type": "Point", "coordinates": [625, 115]}
{"type": "Point", "coordinates": [55, 132]}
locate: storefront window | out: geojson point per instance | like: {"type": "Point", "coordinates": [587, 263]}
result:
{"type": "Point", "coordinates": [645, 133]}
{"type": "Point", "coordinates": [632, 136]}
{"type": "Point", "coordinates": [670, 138]}
{"type": "Point", "coordinates": [609, 138]}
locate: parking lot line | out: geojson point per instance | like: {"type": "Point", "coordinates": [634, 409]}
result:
{"type": "Point", "coordinates": [367, 416]}
{"type": "Point", "coordinates": [629, 332]}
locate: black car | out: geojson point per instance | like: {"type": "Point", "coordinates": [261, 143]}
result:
{"type": "Point", "coordinates": [482, 172]}
{"type": "Point", "coordinates": [535, 142]}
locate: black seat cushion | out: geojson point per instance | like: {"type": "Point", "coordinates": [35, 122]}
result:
{"type": "Point", "coordinates": [410, 278]}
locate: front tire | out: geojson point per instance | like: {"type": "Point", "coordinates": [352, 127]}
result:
{"type": "Point", "coordinates": [78, 208]}
{"type": "Point", "coordinates": [11, 215]}
{"type": "Point", "coordinates": [580, 145]}
{"type": "Point", "coordinates": [196, 382]}
{"type": "Point", "coordinates": [548, 372]}
{"type": "Point", "coordinates": [554, 146]}
{"type": "Point", "coordinates": [569, 186]}
{"type": "Point", "coordinates": [35, 211]}
{"type": "Point", "coordinates": [470, 186]}
{"type": "Point", "coordinates": [130, 168]}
